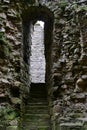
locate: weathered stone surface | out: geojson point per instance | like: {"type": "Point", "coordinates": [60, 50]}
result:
{"type": "Point", "coordinates": [79, 97]}
{"type": "Point", "coordinates": [67, 51]}
{"type": "Point", "coordinates": [12, 128]}
{"type": "Point", "coordinates": [15, 100]}
{"type": "Point", "coordinates": [81, 83]}
{"type": "Point", "coordinates": [76, 126]}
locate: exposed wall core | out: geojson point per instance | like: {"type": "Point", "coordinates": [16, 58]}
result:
{"type": "Point", "coordinates": [37, 58]}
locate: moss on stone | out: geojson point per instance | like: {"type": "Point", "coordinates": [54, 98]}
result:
{"type": "Point", "coordinates": [10, 116]}
{"type": "Point", "coordinates": [4, 46]}
{"type": "Point", "coordinates": [63, 4]}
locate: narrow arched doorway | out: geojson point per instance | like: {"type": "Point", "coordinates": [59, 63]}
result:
{"type": "Point", "coordinates": [37, 103]}
{"type": "Point", "coordinates": [30, 17]}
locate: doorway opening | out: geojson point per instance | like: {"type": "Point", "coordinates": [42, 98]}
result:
{"type": "Point", "coordinates": [31, 18]}
{"type": "Point", "coordinates": [37, 58]}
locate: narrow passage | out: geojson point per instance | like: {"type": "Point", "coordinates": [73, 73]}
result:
{"type": "Point", "coordinates": [37, 115]}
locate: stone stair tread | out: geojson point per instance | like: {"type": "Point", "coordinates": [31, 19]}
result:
{"type": "Point", "coordinates": [32, 116]}
{"type": "Point", "coordinates": [38, 103]}
{"type": "Point", "coordinates": [38, 123]}
{"type": "Point", "coordinates": [41, 93]}
{"type": "Point", "coordinates": [37, 88]}
{"type": "Point", "coordinates": [36, 116]}
{"type": "Point", "coordinates": [41, 111]}
{"type": "Point", "coordinates": [37, 99]}
{"type": "Point", "coordinates": [38, 93]}
{"type": "Point", "coordinates": [39, 120]}
{"type": "Point", "coordinates": [35, 106]}
{"type": "Point", "coordinates": [34, 127]}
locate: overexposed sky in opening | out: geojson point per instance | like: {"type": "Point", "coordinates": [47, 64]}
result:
{"type": "Point", "coordinates": [41, 23]}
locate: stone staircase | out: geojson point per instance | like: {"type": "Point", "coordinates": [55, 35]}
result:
{"type": "Point", "coordinates": [36, 115]}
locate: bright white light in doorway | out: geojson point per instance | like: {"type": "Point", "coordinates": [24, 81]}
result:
{"type": "Point", "coordinates": [41, 23]}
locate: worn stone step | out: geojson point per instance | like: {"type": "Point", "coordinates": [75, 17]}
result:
{"type": "Point", "coordinates": [35, 90]}
{"type": "Point", "coordinates": [37, 99]}
{"type": "Point", "coordinates": [41, 111]}
{"type": "Point", "coordinates": [38, 95]}
{"type": "Point", "coordinates": [38, 91]}
{"type": "Point", "coordinates": [35, 107]}
{"type": "Point", "coordinates": [34, 127]}
{"type": "Point", "coordinates": [37, 103]}
{"type": "Point", "coordinates": [38, 86]}
{"type": "Point", "coordinates": [37, 123]}
{"type": "Point", "coordinates": [45, 116]}
{"type": "Point", "coordinates": [36, 116]}
{"type": "Point", "coordinates": [35, 120]}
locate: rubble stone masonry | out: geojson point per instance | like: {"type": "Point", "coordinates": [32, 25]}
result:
{"type": "Point", "coordinates": [66, 60]}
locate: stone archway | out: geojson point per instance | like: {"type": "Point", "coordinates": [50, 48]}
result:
{"type": "Point", "coordinates": [29, 17]}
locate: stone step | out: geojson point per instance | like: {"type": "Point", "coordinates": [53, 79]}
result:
{"type": "Point", "coordinates": [37, 116]}
{"type": "Point", "coordinates": [36, 90]}
{"type": "Point", "coordinates": [36, 100]}
{"type": "Point", "coordinates": [39, 98]}
{"type": "Point", "coordinates": [35, 120]}
{"type": "Point", "coordinates": [41, 111]}
{"type": "Point", "coordinates": [37, 103]}
{"type": "Point", "coordinates": [38, 95]}
{"type": "Point", "coordinates": [39, 89]}
{"type": "Point", "coordinates": [34, 127]}
{"type": "Point", "coordinates": [33, 99]}
{"type": "Point", "coordinates": [36, 106]}
{"type": "Point", "coordinates": [37, 123]}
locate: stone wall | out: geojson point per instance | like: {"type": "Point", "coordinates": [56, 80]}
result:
{"type": "Point", "coordinates": [68, 69]}
{"type": "Point", "coordinates": [10, 47]}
